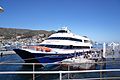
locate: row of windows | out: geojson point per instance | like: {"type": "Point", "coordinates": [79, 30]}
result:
{"type": "Point", "coordinates": [65, 38]}
{"type": "Point", "coordinates": [66, 47]}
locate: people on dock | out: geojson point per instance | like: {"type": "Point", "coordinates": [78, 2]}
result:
{"type": "Point", "coordinates": [86, 56]}
{"type": "Point", "coordinates": [1, 54]}
{"type": "Point", "coordinates": [119, 51]}
{"type": "Point", "coordinates": [113, 52]}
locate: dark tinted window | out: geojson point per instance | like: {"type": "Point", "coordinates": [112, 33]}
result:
{"type": "Point", "coordinates": [65, 38]}
{"type": "Point", "coordinates": [86, 41]}
{"type": "Point", "coordinates": [66, 46]}
{"type": "Point", "coordinates": [62, 31]}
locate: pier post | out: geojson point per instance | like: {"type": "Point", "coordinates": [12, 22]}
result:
{"type": "Point", "coordinates": [33, 71]}
{"type": "Point", "coordinates": [60, 76]}
{"type": "Point", "coordinates": [68, 70]}
{"type": "Point", "coordinates": [101, 64]}
{"type": "Point", "coordinates": [104, 50]}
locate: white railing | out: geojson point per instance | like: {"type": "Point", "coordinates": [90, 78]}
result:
{"type": "Point", "coordinates": [34, 72]}
{"type": "Point", "coordinates": [62, 72]}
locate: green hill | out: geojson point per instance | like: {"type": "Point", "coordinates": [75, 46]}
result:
{"type": "Point", "coordinates": [10, 33]}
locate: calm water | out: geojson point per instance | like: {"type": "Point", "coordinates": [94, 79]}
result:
{"type": "Point", "coordinates": [15, 67]}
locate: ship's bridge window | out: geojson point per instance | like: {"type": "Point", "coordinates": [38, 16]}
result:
{"type": "Point", "coordinates": [86, 41]}
{"type": "Point", "coordinates": [61, 31]}
{"type": "Point", "coordinates": [65, 38]}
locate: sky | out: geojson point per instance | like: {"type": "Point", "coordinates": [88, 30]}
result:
{"type": "Point", "coordinates": [97, 19]}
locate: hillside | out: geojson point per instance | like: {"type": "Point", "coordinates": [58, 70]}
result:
{"type": "Point", "coordinates": [9, 33]}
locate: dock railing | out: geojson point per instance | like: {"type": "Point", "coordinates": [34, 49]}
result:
{"type": "Point", "coordinates": [61, 72]}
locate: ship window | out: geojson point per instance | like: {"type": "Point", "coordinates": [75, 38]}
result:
{"type": "Point", "coordinates": [71, 46]}
{"type": "Point", "coordinates": [86, 41]}
{"type": "Point", "coordinates": [65, 46]}
{"type": "Point", "coordinates": [65, 38]}
{"type": "Point", "coordinates": [42, 45]}
{"type": "Point", "coordinates": [73, 39]}
{"type": "Point", "coordinates": [81, 47]}
{"type": "Point", "coordinates": [62, 31]}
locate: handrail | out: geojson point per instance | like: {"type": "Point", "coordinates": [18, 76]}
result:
{"type": "Point", "coordinates": [105, 78]}
{"type": "Point", "coordinates": [56, 72]}
{"type": "Point", "coordinates": [101, 62]}
{"type": "Point", "coordinates": [61, 72]}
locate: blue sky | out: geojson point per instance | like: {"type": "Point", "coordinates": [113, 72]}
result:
{"type": "Point", "coordinates": [97, 19]}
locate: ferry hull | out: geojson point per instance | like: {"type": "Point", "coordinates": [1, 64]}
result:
{"type": "Point", "coordinates": [42, 57]}
{"type": "Point", "coordinates": [26, 56]}
{"type": "Point", "coordinates": [53, 58]}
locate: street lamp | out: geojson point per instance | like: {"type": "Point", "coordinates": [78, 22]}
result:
{"type": "Point", "coordinates": [1, 9]}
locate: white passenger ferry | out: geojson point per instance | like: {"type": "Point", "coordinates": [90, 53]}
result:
{"type": "Point", "coordinates": [60, 45]}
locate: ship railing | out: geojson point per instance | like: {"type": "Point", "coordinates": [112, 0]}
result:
{"type": "Point", "coordinates": [63, 72]}
{"type": "Point", "coordinates": [34, 72]}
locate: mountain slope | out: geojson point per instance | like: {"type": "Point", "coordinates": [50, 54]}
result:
{"type": "Point", "coordinates": [9, 33]}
